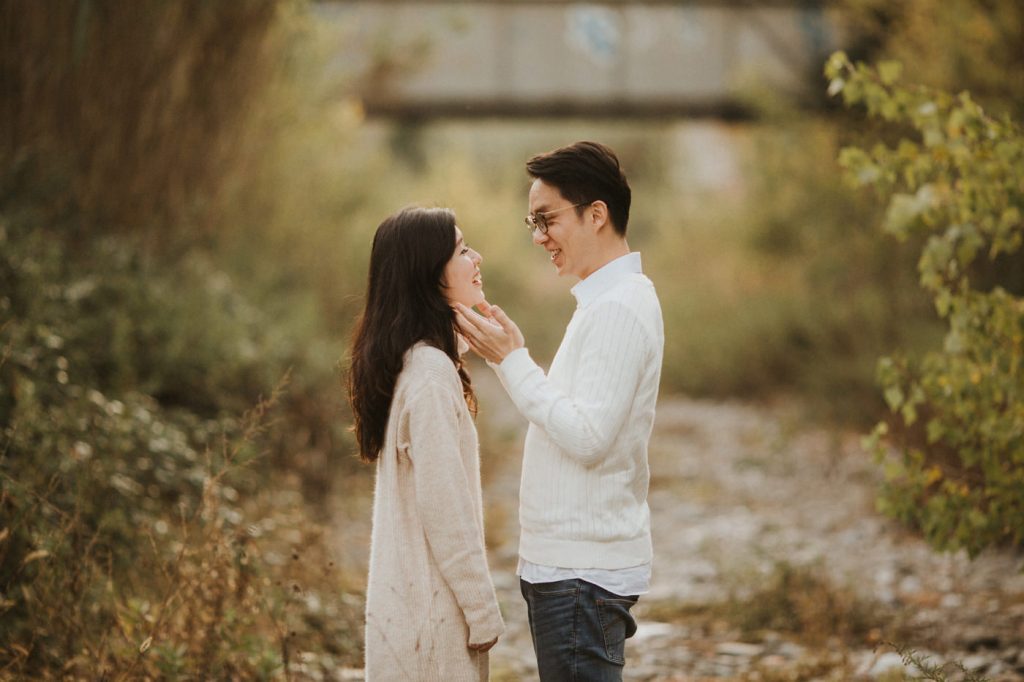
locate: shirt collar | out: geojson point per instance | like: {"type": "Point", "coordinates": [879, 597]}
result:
{"type": "Point", "coordinates": [605, 277]}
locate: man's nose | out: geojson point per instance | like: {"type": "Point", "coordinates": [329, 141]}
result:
{"type": "Point", "coordinates": [539, 237]}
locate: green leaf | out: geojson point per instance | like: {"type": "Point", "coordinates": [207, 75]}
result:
{"type": "Point", "coordinates": [889, 71]}
{"type": "Point", "coordinates": [836, 64]}
{"type": "Point", "coordinates": [970, 242]}
{"type": "Point", "coordinates": [943, 301]}
{"type": "Point", "coordinates": [905, 210]}
{"type": "Point", "coordinates": [933, 136]}
{"type": "Point", "coordinates": [894, 397]}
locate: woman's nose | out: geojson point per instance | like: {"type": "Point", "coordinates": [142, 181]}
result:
{"type": "Point", "coordinates": [477, 258]}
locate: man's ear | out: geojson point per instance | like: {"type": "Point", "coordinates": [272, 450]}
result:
{"type": "Point", "coordinates": [599, 215]}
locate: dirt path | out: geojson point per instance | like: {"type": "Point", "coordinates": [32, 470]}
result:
{"type": "Point", "coordinates": [770, 561]}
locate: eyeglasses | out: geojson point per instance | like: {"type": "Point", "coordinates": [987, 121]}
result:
{"type": "Point", "coordinates": [539, 220]}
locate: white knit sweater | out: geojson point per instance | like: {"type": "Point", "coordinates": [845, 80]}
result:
{"type": "Point", "coordinates": [583, 498]}
{"type": "Point", "coordinates": [430, 591]}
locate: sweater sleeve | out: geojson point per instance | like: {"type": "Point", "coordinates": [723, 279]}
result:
{"type": "Point", "coordinates": [583, 423]}
{"type": "Point", "coordinates": [446, 508]}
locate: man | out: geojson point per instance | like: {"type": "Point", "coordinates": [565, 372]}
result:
{"type": "Point", "coordinates": [585, 548]}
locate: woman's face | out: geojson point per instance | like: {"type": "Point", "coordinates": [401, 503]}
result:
{"type": "Point", "coordinates": [462, 279]}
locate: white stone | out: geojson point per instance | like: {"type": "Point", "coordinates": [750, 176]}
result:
{"type": "Point", "coordinates": [739, 649]}
{"type": "Point", "coordinates": [790, 650]}
{"type": "Point", "coordinates": [952, 601]}
{"type": "Point", "coordinates": [887, 662]}
{"type": "Point", "coordinates": [647, 630]}
{"type": "Point", "coordinates": [976, 663]}
{"type": "Point", "coordinates": [911, 584]}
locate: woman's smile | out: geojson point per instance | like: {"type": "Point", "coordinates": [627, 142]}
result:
{"type": "Point", "coordinates": [463, 279]}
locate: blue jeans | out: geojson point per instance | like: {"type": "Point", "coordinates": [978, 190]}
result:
{"type": "Point", "coordinates": [579, 630]}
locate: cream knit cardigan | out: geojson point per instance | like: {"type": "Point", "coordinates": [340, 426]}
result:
{"type": "Point", "coordinates": [430, 591]}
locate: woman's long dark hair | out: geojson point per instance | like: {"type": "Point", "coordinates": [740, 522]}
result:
{"type": "Point", "coordinates": [405, 304]}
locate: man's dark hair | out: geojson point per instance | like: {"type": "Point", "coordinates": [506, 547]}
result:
{"type": "Point", "coordinates": [586, 172]}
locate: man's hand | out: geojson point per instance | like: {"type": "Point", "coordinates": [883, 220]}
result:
{"type": "Point", "coordinates": [486, 646]}
{"type": "Point", "coordinates": [492, 337]}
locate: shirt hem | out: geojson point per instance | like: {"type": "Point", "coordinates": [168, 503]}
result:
{"type": "Point", "coordinates": [586, 554]}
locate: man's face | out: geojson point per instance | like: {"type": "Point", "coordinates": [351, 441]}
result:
{"type": "Point", "coordinates": [568, 240]}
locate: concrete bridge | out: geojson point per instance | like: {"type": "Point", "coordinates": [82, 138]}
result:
{"type": "Point", "coordinates": [599, 59]}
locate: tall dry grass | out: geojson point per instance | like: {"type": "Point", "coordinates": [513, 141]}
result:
{"type": "Point", "coordinates": [137, 109]}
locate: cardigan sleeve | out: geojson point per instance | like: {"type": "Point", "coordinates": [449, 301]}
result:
{"type": "Point", "coordinates": [614, 348]}
{"type": "Point", "coordinates": [448, 513]}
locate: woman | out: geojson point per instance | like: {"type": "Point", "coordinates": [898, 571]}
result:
{"type": "Point", "coordinates": [431, 609]}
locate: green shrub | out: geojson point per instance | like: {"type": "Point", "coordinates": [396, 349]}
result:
{"type": "Point", "coordinates": [130, 507]}
{"type": "Point", "coordinates": [954, 181]}
{"type": "Point", "coordinates": [115, 511]}
{"type": "Point", "coordinates": [803, 601]}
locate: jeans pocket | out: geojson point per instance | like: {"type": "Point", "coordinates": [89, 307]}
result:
{"type": "Point", "coordinates": [617, 625]}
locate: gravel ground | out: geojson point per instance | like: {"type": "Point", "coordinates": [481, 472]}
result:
{"type": "Point", "coordinates": [741, 497]}
{"type": "Point", "coordinates": [738, 491]}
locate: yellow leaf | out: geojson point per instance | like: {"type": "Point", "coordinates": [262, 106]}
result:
{"type": "Point", "coordinates": [4, 534]}
{"type": "Point", "coordinates": [33, 556]}
{"type": "Point", "coordinates": [128, 628]}
{"type": "Point", "coordinates": [146, 644]}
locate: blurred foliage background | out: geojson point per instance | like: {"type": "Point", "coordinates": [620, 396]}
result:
{"type": "Point", "coordinates": [187, 196]}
